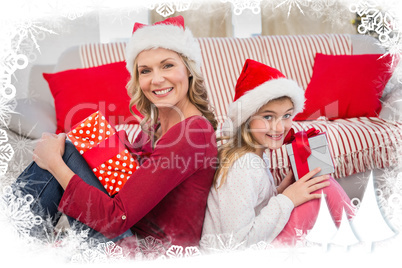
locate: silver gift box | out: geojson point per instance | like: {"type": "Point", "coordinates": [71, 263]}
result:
{"type": "Point", "coordinates": [320, 156]}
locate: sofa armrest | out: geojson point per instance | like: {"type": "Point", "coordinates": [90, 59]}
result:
{"type": "Point", "coordinates": [33, 117]}
{"type": "Point", "coordinates": [365, 44]}
{"type": "Point", "coordinates": [392, 106]}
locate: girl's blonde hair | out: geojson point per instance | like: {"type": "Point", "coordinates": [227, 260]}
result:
{"type": "Point", "coordinates": [232, 148]}
{"type": "Point", "coordinates": [197, 95]}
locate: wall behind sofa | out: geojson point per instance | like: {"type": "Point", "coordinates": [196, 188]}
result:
{"type": "Point", "coordinates": [115, 24]}
{"type": "Point", "coordinates": [103, 25]}
{"type": "Point", "coordinates": [67, 33]}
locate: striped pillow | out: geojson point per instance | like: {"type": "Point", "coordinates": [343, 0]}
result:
{"type": "Point", "coordinates": [223, 59]}
{"type": "Point", "coordinates": [98, 54]}
{"type": "Point", "coordinates": [294, 55]}
{"type": "Point", "coordinates": [132, 130]}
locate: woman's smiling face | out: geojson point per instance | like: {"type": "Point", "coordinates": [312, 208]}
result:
{"type": "Point", "coordinates": [163, 77]}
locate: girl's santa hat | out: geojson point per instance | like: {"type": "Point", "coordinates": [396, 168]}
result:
{"type": "Point", "coordinates": [169, 34]}
{"type": "Point", "coordinates": [257, 85]}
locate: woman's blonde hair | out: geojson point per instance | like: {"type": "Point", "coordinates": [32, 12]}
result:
{"type": "Point", "coordinates": [234, 147]}
{"type": "Point", "coordinates": [197, 95]}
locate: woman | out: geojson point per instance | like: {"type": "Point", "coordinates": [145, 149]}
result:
{"type": "Point", "coordinates": [244, 203]}
{"type": "Point", "coordinates": [166, 197]}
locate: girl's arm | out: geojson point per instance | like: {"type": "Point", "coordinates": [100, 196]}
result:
{"type": "Point", "coordinates": [250, 211]}
{"type": "Point", "coordinates": [246, 205]}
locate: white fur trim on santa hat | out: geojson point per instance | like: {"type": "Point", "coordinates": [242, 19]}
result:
{"type": "Point", "coordinates": [163, 36]}
{"type": "Point", "coordinates": [248, 104]}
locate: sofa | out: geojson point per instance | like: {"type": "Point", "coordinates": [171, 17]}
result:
{"type": "Point", "coordinates": [358, 144]}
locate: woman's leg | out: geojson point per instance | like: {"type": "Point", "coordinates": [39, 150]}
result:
{"type": "Point", "coordinates": [47, 192]}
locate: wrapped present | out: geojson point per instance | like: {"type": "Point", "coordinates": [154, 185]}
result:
{"type": "Point", "coordinates": [105, 151]}
{"type": "Point", "coordinates": [308, 150]}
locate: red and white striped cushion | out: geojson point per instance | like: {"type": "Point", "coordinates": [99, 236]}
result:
{"type": "Point", "coordinates": [223, 60]}
{"type": "Point", "coordinates": [93, 55]}
{"type": "Point", "coordinates": [356, 145]}
{"type": "Point", "coordinates": [132, 130]}
{"type": "Point", "coordinates": [294, 55]}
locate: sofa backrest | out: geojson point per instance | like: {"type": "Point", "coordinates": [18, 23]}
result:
{"type": "Point", "coordinates": [223, 58]}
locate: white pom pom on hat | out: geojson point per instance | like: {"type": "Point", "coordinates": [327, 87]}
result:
{"type": "Point", "coordinates": [256, 86]}
{"type": "Point", "coordinates": [169, 34]}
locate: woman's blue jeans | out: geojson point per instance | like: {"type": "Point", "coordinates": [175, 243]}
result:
{"type": "Point", "coordinates": [47, 191]}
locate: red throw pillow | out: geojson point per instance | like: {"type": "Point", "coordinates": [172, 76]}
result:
{"type": "Point", "coordinates": [345, 86]}
{"type": "Point", "coordinates": [80, 92]}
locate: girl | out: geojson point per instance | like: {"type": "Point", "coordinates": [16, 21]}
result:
{"type": "Point", "coordinates": [166, 197]}
{"type": "Point", "coordinates": [244, 202]}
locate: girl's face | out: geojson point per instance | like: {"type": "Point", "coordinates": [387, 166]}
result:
{"type": "Point", "coordinates": [163, 77]}
{"type": "Point", "coordinates": [271, 123]}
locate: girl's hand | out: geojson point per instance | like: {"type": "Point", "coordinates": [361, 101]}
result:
{"type": "Point", "coordinates": [286, 182]}
{"type": "Point", "coordinates": [301, 191]}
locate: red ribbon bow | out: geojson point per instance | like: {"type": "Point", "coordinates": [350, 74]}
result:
{"type": "Point", "coordinates": [290, 137]}
{"type": "Point", "coordinates": [301, 148]}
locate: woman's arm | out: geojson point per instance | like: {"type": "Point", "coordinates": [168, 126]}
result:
{"type": "Point", "coordinates": [175, 158]}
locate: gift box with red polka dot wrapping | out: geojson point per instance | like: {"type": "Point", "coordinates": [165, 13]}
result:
{"type": "Point", "coordinates": [105, 151]}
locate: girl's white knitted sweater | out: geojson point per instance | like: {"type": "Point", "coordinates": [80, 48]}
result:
{"type": "Point", "coordinates": [246, 207]}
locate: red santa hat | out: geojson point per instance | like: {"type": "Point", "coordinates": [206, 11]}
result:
{"type": "Point", "coordinates": [170, 34]}
{"type": "Point", "coordinates": [257, 85]}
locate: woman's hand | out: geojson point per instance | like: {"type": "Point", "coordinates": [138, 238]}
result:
{"type": "Point", "coordinates": [49, 149]}
{"type": "Point", "coordinates": [48, 155]}
{"type": "Point", "coordinates": [286, 182]}
{"type": "Point", "coordinates": [301, 191]}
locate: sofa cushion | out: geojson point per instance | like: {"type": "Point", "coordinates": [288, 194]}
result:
{"type": "Point", "coordinates": [97, 54]}
{"type": "Point", "coordinates": [38, 88]}
{"type": "Point", "coordinates": [32, 117]}
{"type": "Point", "coordinates": [294, 55]}
{"type": "Point", "coordinates": [132, 130]}
{"type": "Point", "coordinates": [223, 60]}
{"type": "Point", "coordinates": [346, 86]}
{"type": "Point", "coordinates": [356, 145]}
{"type": "Point", "coordinates": [80, 92]}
